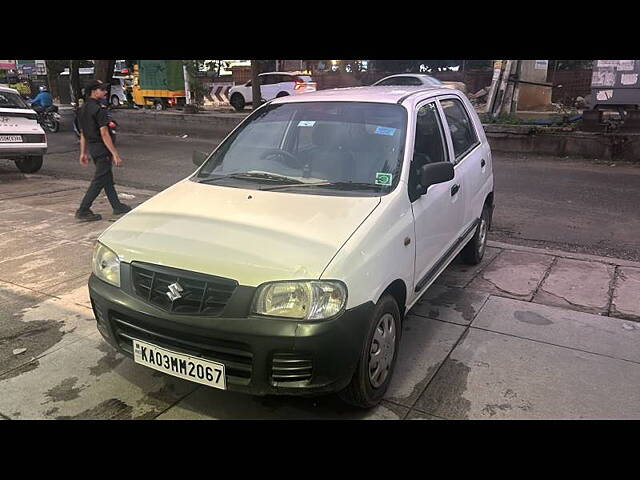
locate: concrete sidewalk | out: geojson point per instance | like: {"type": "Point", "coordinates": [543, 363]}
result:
{"type": "Point", "coordinates": [529, 333]}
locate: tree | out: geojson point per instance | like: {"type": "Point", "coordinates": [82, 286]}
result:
{"type": "Point", "coordinates": [104, 72]}
{"type": "Point", "coordinates": [255, 83]}
{"type": "Point", "coordinates": [54, 68]}
{"type": "Point", "coordinates": [74, 80]}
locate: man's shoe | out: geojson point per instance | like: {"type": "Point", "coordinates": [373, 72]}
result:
{"type": "Point", "coordinates": [121, 209]}
{"type": "Point", "coordinates": [88, 216]}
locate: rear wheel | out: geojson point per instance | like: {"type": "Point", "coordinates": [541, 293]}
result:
{"type": "Point", "coordinates": [158, 105]}
{"type": "Point", "coordinates": [115, 101]}
{"type": "Point", "coordinates": [51, 124]}
{"type": "Point", "coordinates": [237, 102]}
{"type": "Point", "coordinates": [29, 164]}
{"type": "Point", "coordinates": [378, 357]}
{"type": "Point", "coordinates": [474, 250]}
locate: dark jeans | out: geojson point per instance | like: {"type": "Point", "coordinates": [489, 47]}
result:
{"type": "Point", "coordinates": [103, 178]}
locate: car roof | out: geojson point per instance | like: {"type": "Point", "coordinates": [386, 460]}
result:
{"type": "Point", "coordinates": [408, 75]}
{"type": "Point", "coordinates": [391, 94]}
{"type": "Point", "coordinates": [7, 89]}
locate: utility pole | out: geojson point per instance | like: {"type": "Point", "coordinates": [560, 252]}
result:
{"type": "Point", "coordinates": [187, 87]}
{"type": "Point", "coordinates": [255, 84]}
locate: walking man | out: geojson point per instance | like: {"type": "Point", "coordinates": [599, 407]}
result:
{"type": "Point", "coordinates": [96, 139]}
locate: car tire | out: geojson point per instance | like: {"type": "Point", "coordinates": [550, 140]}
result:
{"type": "Point", "coordinates": [282, 94]}
{"type": "Point", "coordinates": [29, 164]}
{"type": "Point", "coordinates": [115, 101]}
{"type": "Point", "coordinates": [367, 389]}
{"type": "Point", "coordinates": [237, 101]}
{"type": "Point", "coordinates": [474, 250]}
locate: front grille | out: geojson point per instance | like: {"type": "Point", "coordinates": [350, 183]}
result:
{"type": "Point", "coordinates": [201, 294]}
{"type": "Point", "coordinates": [236, 357]}
{"type": "Point", "coordinates": [291, 367]}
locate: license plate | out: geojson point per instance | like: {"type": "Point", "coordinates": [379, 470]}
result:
{"type": "Point", "coordinates": [180, 365]}
{"type": "Point", "coordinates": [11, 138]}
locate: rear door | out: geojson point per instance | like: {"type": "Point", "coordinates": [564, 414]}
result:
{"type": "Point", "coordinates": [469, 156]}
{"type": "Point", "coordinates": [439, 213]}
{"type": "Point", "coordinates": [269, 85]}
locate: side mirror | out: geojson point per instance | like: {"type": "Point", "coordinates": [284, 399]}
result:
{"type": "Point", "coordinates": [434, 173]}
{"type": "Point", "coordinates": [199, 158]}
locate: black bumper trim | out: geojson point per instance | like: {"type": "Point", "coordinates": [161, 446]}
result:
{"type": "Point", "coordinates": [254, 349]}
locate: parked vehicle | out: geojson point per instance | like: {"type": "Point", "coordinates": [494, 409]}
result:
{"type": "Point", "coordinates": [22, 139]}
{"type": "Point", "coordinates": [158, 84]}
{"type": "Point", "coordinates": [272, 85]}
{"type": "Point", "coordinates": [418, 79]}
{"type": "Point", "coordinates": [286, 263]}
{"type": "Point", "coordinates": [119, 86]}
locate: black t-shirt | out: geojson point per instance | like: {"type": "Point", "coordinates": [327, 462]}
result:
{"type": "Point", "coordinates": [91, 118]}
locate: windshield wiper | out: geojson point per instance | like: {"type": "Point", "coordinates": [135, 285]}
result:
{"type": "Point", "coordinates": [254, 176]}
{"type": "Point", "coordinates": [337, 185]}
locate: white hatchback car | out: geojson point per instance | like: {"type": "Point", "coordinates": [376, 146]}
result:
{"type": "Point", "coordinates": [22, 139]}
{"type": "Point", "coordinates": [272, 85]}
{"type": "Point", "coordinates": [286, 263]}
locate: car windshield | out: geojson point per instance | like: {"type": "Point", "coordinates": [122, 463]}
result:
{"type": "Point", "coordinates": [315, 147]}
{"type": "Point", "coordinates": [11, 100]}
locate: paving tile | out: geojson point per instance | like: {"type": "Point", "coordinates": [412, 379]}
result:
{"type": "Point", "coordinates": [513, 274]}
{"type": "Point", "coordinates": [626, 295]}
{"type": "Point", "coordinates": [459, 274]}
{"type": "Point", "coordinates": [417, 415]}
{"type": "Point", "coordinates": [450, 304]}
{"type": "Point", "coordinates": [30, 187]}
{"type": "Point", "coordinates": [74, 291]}
{"type": "Point", "coordinates": [211, 404]}
{"type": "Point", "coordinates": [42, 262]}
{"type": "Point", "coordinates": [424, 346]}
{"type": "Point", "coordinates": [40, 323]}
{"type": "Point", "coordinates": [567, 328]}
{"type": "Point", "coordinates": [495, 376]}
{"type": "Point", "coordinates": [88, 380]}
{"type": "Point", "coordinates": [578, 285]}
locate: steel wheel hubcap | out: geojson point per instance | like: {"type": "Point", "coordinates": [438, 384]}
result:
{"type": "Point", "coordinates": [382, 350]}
{"type": "Point", "coordinates": [483, 235]}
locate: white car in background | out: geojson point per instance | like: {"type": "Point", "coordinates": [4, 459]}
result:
{"type": "Point", "coordinates": [418, 80]}
{"type": "Point", "coordinates": [22, 139]}
{"type": "Point", "coordinates": [272, 85]}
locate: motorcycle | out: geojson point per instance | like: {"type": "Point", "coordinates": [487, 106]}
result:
{"type": "Point", "coordinates": [49, 118]}
{"type": "Point", "coordinates": [113, 125]}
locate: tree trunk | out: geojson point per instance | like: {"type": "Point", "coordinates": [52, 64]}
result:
{"type": "Point", "coordinates": [255, 84]}
{"type": "Point", "coordinates": [74, 81]}
{"type": "Point", "coordinates": [52, 79]}
{"type": "Point", "coordinates": [104, 72]}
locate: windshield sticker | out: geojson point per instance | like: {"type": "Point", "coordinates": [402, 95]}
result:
{"type": "Point", "coordinates": [385, 131]}
{"type": "Point", "coordinates": [383, 178]}
{"type": "Point", "coordinates": [306, 123]}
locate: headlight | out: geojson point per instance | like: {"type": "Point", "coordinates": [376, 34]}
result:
{"type": "Point", "coordinates": [106, 265]}
{"type": "Point", "coordinates": [308, 300]}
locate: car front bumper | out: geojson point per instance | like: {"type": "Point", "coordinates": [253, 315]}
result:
{"type": "Point", "coordinates": [262, 355]}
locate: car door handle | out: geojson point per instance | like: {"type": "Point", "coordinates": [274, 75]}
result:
{"type": "Point", "coordinates": [482, 163]}
{"type": "Point", "coordinates": [455, 189]}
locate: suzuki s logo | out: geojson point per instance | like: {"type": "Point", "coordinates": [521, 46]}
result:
{"type": "Point", "coordinates": [175, 291]}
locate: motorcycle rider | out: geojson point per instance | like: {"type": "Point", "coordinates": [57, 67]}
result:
{"type": "Point", "coordinates": [42, 100]}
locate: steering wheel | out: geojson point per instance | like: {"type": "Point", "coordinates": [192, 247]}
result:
{"type": "Point", "coordinates": [293, 160]}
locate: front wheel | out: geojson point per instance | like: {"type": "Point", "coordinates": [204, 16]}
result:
{"type": "Point", "coordinates": [115, 101]}
{"type": "Point", "coordinates": [474, 250]}
{"type": "Point", "coordinates": [237, 102]}
{"type": "Point", "coordinates": [29, 164]}
{"type": "Point", "coordinates": [377, 358]}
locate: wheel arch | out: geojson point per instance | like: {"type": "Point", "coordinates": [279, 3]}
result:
{"type": "Point", "coordinates": [398, 290]}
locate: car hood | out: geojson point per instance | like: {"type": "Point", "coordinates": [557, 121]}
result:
{"type": "Point", "coordinates": [246, 235]}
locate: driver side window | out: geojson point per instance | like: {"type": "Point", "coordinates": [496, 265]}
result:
{"type": "Point", "coordinates": [429, 146]}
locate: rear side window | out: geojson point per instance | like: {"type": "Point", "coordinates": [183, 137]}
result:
{"type": "Point", "coordinates": [463, 135]}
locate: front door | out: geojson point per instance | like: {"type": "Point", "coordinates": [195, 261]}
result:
{"type": "Point", "coordinates": [438, 214]}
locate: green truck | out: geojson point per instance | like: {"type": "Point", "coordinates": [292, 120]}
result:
{"type": "Point", "coordinates": [158, 83]}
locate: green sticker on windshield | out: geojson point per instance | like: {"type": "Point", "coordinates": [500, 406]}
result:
{"type": "Point", "coordinates": [383, 178]}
